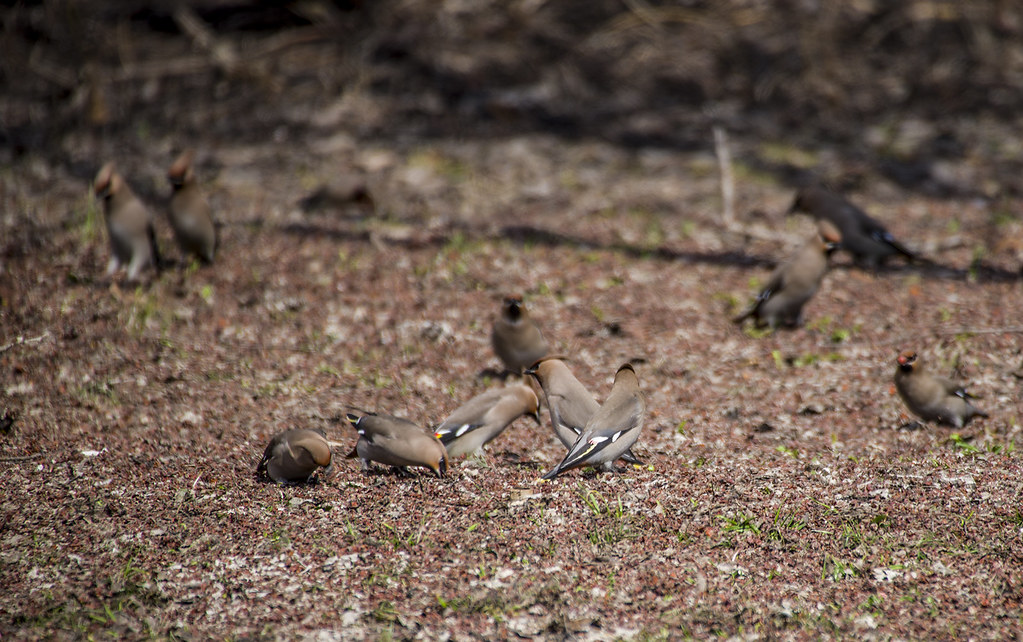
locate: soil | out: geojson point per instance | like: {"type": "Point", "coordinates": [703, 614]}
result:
{"type": "Point", "coordinates": [369, 230]}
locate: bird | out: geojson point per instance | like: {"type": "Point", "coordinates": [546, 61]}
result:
{"type": "Point", "coordinates": [930, 397]}
{"type": "Point", "coordinates": [517, 340]}
{"type": "Point", "coordinates": [612, 430]}
{"type": "Point", "coordinates": [484, 417]}
{"type": "Point", "coordinates": [294, 456]}
{"type": "Point", "coordinates": [864, 237]}
{"type": "Point", "coordinates": [793, 283]}
{"type": "Point", "coordinates": [396, 442]}
{"type": "Point", "coordinates": [129, 225]}
{"type": "Point", "coordinates": [189, 213]}
{"type": "Point", "coordinates": [569, 403]}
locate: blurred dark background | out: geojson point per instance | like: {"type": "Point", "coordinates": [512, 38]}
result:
{"type": "Point", "coordinates": [895, 86]}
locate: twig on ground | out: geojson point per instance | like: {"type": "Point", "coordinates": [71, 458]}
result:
{"type": "Point", "coordinates": [1012, 329]}
{"type": "Point", "coordinates": [727, 177]}
{"type": "Point", "coordinates": [23, 457]}
{"type": "Point", "coordinates": [22, 341]}
{"type": "Point", "coordinates": [728, 219]}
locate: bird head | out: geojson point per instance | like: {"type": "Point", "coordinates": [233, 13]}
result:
{"type": "Point", "coordinates": [180, 173]}
{"type": "Point", "coordinates": [626, 374]}
{"type": "Point", "coordinates": [542, 366]}
{"type": "Point", "coordinates": [906, 360]}
{"type": "Point", "coordinates": [797, 206]}
{"type": "Point", "coordinates": [830, 236]}
{"type": "Point", "coordinates": [806, 198]}
{"type": "Point", "coordinates": [513, 308]}
{"type": "Point", "coordinates": [441, 467]}
{"type": "Point", "coordinates": [533, 407]}
{"type": "Point", "coordinates": [107, 182]}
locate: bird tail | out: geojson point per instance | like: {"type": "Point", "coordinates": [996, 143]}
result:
{"type": "Point", "coordinates": [554, 473]}
{"type": "Point", "coordinates": [580, 453]}
{"type": "Point", "coordinates": [216, 237]}
{"type": "Point", "coordinates": [903, 250]}
{"type": "Point", "coordinates": [888, 239]}
{"type": "Point", "coordinates": [155, 249]}
{"type": "Point", "coordinates": [630, 458]}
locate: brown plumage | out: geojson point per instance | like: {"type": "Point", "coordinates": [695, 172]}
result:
{"type": "Point", "coordinates": [793, 283]}
{"type": "Point", "coordinates": [569, 403]}
{"type": "Point", "coordinates": [129, 225]}
{"type": "Point", "coordinates": [189, 213]}
{"type": "Point", "coordinates": [517, 340]}
{"type": "Point", "coordinates": [862, 236]}
{"type": "Point", "coordinates": [484, 417]}
{"type": "Point", "coordinates": [930, 397]}
{"type": "Point", "coordinates": [396, 442]}
{"type": "Point", "coordinates": [294, 456]}
{"type": "Point", "coordinates": [612, 430]}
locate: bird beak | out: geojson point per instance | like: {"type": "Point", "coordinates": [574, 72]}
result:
{"type": "Point", "coordinates": [536, 417]}
{"type": "Point", "coordinates": [442, 467]}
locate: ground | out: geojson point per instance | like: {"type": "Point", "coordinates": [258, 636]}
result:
{"type": "Point", "coordinates": [786, 493]}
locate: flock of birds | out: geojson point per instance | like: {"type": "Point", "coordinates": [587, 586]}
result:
{"type": "Point", "coordinates": [594, 434]}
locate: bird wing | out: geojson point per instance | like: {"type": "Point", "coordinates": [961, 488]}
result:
{"type": "Point", "coordinates": [872, 228]}
{"type": "Point", "coordinates": [622, 419]}
{"type": "Point", "coordinates": [630, 457]}
{"type": "Point", "coordinates": [448, 432]}
{"type": "Point", "coordinates": [776, 283]}
{"type": "Point", "coordinates": [268, 454]}
{"type": "Point", "coordinates": [953, 388]}
{"type": "Point", "coordinates": [468, 417]}
{"type": "Point", "coordinates": [376, 428]}
{"type": "Point", "coordinates": [261, 468]}
{"type": "Point", "coordinates": [568, 415]}
{"type": "Point", "coordinates": [314, 444]}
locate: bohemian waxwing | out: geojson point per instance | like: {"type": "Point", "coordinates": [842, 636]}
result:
{"type": "Point", "coordinates": [484, 417]}
{"type": "Point", "coordinates": [396, 442]}
{"type": "Point", "coordinates": [293, 456]}
{"type": "Point", "coordinates": [129, 225]}
{"type": "Point", "coordinates": [569, 402]}
{"type": "Point", "coordinates": [612, 429]}
{"type": "Point", "coordinates": [517, 340]}
{"type": "Point", "coordinates": [189, 214]}
{"type": "Point", "coordinates": [793, 283]}
{"type": "Point", "coordinates": [862, 236]}
{"type": "Point", "coordinates": [930, 397]}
